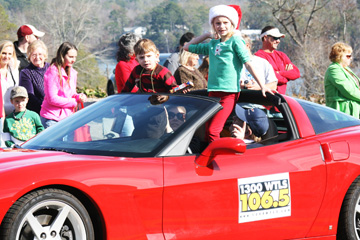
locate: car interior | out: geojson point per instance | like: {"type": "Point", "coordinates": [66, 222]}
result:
{"type": "Point", "coordinates": [281, 124]}
{"type": "Point", "coordinates": [133, 127]}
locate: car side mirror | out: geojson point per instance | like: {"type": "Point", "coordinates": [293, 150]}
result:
{"type": "Point", "coordinates": [222, 146]}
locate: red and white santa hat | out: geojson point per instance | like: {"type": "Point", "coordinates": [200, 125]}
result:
{"type": "Point", "coordinates": [238, 10]}
{"type": "Point", "coordinates": [224, 11]}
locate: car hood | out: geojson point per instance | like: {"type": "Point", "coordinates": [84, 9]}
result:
{"type": "Point", "coordinates": [18, 158]}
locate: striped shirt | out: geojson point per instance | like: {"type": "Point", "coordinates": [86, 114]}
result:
{"type": "Point", "coordinates": [158, 80]}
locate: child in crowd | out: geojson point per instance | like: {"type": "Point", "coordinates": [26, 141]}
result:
{"type": "Point", "coordinates": [60, 80]}
{"type": "Point", "coordinates": [227, 54]}
{"type": "Point", "coordinates": [149, 76]}
{"type": "Point", "coordinates": [22, 124]}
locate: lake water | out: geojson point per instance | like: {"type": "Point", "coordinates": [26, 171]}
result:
{"type": "Point", "coordinates": [107, 66]}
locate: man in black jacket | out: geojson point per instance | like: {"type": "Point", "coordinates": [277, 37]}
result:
{"type": "Point", "coordinates": [26, 35]}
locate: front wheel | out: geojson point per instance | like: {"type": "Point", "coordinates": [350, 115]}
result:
{"type": "Point", "coordinates": [47, 214]}
{"type": "Point", "coordinates": [349, 220]}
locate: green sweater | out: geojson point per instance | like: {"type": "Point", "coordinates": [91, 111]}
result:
{"type": "Point", "coordinates": [23, 126]}
{"type": "Point", "coordinates": [342, 90]}
{"type": "Point", "coordinates": [226, 62]}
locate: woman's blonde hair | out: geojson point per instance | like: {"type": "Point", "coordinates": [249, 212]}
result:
{"type": "Point", "coordinates": [338, 50]}
{"type": "Point", "coordinates": [6, 43]}
{"type": "Point", "coordinates": [184, 57]}
{"type": "Point", "coordinates": [35, 45]}
{"type": "Point", "coordinates": [247, 40]}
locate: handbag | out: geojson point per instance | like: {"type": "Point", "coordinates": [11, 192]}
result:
{"type": "Point", "coordinates": [82, 134]}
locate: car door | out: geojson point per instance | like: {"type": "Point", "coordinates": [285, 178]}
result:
{"type": "Point", "coordinates": [271, 192]}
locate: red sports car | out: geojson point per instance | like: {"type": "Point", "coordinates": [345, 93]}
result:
{"type": "Point", "coordinates": [136, 166]}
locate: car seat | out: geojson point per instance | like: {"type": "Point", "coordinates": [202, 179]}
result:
{"type": "Point", "coordinates": [271, 135]}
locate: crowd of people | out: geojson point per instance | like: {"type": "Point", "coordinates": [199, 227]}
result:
{"type": "Point", "coordinates": [228, 66]}
{"type": "Point", "coordinates": [227, 53]}
{"type": "Point", "coordinates": [35, 93]}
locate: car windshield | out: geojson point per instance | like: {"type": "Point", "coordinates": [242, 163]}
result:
{"type": "Point", "coordinates": [123, 125]}
{"type": "Point", "coordinates": [325, 119]}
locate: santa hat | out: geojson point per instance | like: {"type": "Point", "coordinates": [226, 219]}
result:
{"type": "Point", "coordinates": [238, 10]}
{"type": "Point", "coordinates": [224, 11]}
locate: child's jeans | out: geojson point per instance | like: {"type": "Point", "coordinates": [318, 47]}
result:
{"type": "Point", "coordinates": [47, 122]}
{"type": "Point", "coordinates": [215, 125]}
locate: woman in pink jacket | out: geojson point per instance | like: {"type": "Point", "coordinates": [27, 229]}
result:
{"type": "Point", "coordinates": [61, 97]}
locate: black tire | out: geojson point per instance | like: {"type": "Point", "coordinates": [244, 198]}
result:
{"type": "Point", "coordinates": [349, 219]}
{"type": "Point", "coordinates": [110, 88]}
{"type": "Point", "coordinates": [32, 215]}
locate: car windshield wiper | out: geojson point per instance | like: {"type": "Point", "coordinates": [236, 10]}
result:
{"type": "Point", "coordinates": [55, 149]}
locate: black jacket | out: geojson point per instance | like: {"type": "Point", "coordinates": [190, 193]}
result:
{"type": "Point", "coordinates": [24, 62]}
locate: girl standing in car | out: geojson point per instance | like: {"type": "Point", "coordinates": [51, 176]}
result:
{"type": "Point", "coordinates": [227, 54]}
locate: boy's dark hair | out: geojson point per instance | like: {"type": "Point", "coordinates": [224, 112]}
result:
{"type": "Point", "coordinates": [186, 37]}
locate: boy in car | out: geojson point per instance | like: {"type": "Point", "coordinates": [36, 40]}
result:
{"type": "Point", "coordinates": [149, 76]}
{"type": "Point", "coordinates": [21, 124]}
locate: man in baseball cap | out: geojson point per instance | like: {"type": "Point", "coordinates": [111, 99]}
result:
{"type": "Point", "coordinates": [249, 124]}
{"type": "Point", "coordinates": [26, 35]}
{"type": "Point", "coordinates": [284, 69]}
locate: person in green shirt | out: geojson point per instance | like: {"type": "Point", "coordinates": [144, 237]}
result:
{"type": "Point", "coordinates": [227, 55]}
{"type": "Point", "coordinates": [22, 124]}
{"type": "Point", "coordinates": [342, 85]}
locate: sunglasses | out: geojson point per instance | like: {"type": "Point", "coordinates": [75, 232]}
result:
{"type": "Point", "coordinates": [180, 116]}
{"type": "Point", "coordinates": [275, 38]}
{"type": "Point", "coordinates": [349, 56]}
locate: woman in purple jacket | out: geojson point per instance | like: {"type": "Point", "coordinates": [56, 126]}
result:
{"type": "Point", "coordinates": [60, 79]}
{"type": "Point", "coordinates": [32, 77]}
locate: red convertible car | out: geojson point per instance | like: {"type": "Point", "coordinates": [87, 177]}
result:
{"type": "Point", "coordinates": [122, 169]}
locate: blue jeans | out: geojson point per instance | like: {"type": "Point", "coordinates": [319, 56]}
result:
{"type": "Point", "coordinates": [47, 122]}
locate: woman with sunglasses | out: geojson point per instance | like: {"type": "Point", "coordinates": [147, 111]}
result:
{"type": "Point", "coordinates": [177, 116]}
{"type": "Point", "coordinates": [341, 83]}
